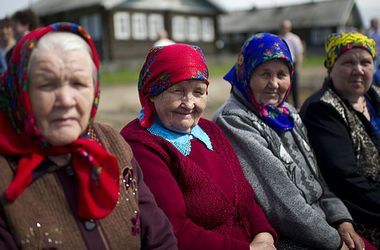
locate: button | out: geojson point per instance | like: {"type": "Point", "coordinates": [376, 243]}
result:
{"type": "Point", "coordinates": [69, 171]}
{"type": "Point", "coordinates": [90, 225]}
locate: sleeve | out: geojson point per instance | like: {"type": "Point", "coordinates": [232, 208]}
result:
{"type": "Point", "coordinates": [336, 157]}
{"type": "Point", "coordinates": [156, 230]}
{"type": "Point", "coordinates": [282, 201]}
{"type": "Point", "coordinates": [259, 222]}
{"type": "Point", "coordinates": [6, 239]}
{"type": "Point", "coordinates": [169, 197]}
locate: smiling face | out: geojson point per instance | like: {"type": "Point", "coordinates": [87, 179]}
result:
{"type": "Point", "coordinates": [352, 73]}
{"type": "Point", "coordinates": [270, 81]}
{"type": "Point", "coordinates": [180, 107]}
{"type": "Point", "coordinates": [61, 88]}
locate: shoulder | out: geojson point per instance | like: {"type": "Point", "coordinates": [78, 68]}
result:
{"type": "Point", "coordinates": [233, 109]}
{"type": "Point", "coordinates": [113, 142]}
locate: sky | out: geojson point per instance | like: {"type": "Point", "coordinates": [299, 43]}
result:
{"type": "Point", "coordinates": [372, 7]}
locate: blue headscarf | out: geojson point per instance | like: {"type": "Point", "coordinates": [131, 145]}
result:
{"type": "Point", "coordinates": [258, 49]}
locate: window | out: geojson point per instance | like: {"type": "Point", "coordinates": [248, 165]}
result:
{"type": "Point", "coordinates": [179, 28]}
{"type": "Point", "coordinates": [139, 26]}
{"type": "Point", "coordinates": [121, 26]}
{"type": "Point", "coordinates": [194, 25]}
{"type": "Point", "coordinates": [93, 25]}
{"type": "Point", "coordinates": [208, 32]}
{"type": "Point", "coordinates": [156, 24]}
{"type": "Point", "coordinates": [319, 36]}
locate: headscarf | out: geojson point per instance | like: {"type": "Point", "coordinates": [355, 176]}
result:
{"type": "Point", "coordinates": [164, 67]}
{"type": "Point", "coordinates": [338, 43]}
{"type": "Point", "coordinates": [97, 170]}
{"type": "Point", "coordinates": [258, 49]}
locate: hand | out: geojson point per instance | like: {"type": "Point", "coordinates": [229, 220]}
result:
{"type": "Point", "coordinates": [262, 241]}
{"type": "Point", "coordinates": [350, 237]}
{"type": "Point", "coordinates": [344, 247]}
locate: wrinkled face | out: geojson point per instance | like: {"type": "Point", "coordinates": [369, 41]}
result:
{"type": "Point", "coordinates": [180, 107]}
{"type": "Point", "coordinates": [352, 73]}
{"type": "Point", "coordinates": [270, 81]}
{"type": "Point", "coordinates": [61, 93]}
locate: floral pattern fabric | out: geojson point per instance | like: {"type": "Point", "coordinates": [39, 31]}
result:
{"type": "Point", "coordinates": [338, 43]}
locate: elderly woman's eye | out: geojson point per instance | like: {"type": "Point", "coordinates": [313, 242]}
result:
{"type": "Point", "coordinates": [366, 62]}
{"type": "Point", "coordinates": [46, 86]}
{"type": "Point", "coordinates": [265, 75]}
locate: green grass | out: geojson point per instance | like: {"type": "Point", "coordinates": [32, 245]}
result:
{"type": "Point", "coordinates": [218, 67]}
{"type": "Point", "coordinates": [313, 60]}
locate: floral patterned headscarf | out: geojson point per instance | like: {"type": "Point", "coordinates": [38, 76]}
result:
{"type": "Point", "coordinates": [338, 43]}
{"type": "Point", "coordinates": [165, 66]}
{"type": "Point", "coordinates": [258, 49]}
{"type": "Point", "coordinates": [97, 170]}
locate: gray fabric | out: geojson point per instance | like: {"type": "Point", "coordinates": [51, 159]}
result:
{"type": "Point", "coordinates": [294, 196]}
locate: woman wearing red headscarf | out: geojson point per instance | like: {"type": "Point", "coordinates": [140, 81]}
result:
{"type": "Point", "coordinates": [187, 162]}
{"type": "Point", "coordinates": [66, 181]}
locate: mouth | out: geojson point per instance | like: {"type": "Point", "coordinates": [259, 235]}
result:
{"type": "Point", "coordinates": [63, 121]}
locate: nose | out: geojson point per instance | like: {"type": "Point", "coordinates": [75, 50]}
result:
{"type": "Point", "coordinates": [65, 96]}
{"type": "Point", "coordinates": [358, 69]}
{"type": "Point", "coordinates": [188, 101]}
{"type": "Point", "coordinates": [273, 83]}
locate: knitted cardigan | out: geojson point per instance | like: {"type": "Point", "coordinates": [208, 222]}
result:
{"type": "Point", "coordinates": [293, 202]}
{"type": "Point", "coordinates": [44, 216]}
{"type": "Point", "coordinates": [205, 195]}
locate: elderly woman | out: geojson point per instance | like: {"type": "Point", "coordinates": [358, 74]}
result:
{"type": "Point", "coordinates": [66, 181]}
{"type": "Point", "coordinates": [343, 119]}
{"type": "Point", "coordinates": [271, 143]}
{"type": "Point", "coordinates": [187, 162]}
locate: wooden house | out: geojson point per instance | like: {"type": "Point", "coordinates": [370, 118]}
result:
{"type": "Point", "coordinates": [126, 29]}
{"type": "Point", "coordinates": [312, 21]}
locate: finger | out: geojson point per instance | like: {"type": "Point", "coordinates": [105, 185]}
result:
{"type": "Point", "coordinates": [349, 241]}
{"type": "Point", "coordinates": [359, 243]}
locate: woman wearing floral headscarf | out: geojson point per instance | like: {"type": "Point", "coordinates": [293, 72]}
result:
{"type": "Point", "coordinates": [343, 119]}
{"type": "Point", "coordinates": [187, 162]}
{"type": "Point", "coordinates": [67, 182]}
{"type": "Point", "coordinates": [271, 143]}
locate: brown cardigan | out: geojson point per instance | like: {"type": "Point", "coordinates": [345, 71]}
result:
{"type": "Point", "coordinates": [44, 215]}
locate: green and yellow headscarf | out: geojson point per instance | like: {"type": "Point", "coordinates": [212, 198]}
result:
{"type": "Point", "coordinates": [338, 43]}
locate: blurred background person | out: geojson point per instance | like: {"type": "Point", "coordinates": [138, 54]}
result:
{"type": "Point", "coordinates": [7, 39]}
{"type": "Point", "coordinates": [297, 51]}
{"type": "Point", "coordinates": [343, 121]}
{"type": "Point", "coordinates": [163, 39]}
{"type": "Point", "coordinates": [374, 33]}
{"type": "Point", "coordinates": [67, 182]}
{"type": "Point", "coordinates": [187, 161]}
{"type": "Point", "coordinates": [23, 21]}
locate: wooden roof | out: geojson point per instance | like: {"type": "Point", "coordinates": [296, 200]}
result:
{"type": "Point", "coordinates": [48, 7]}
{"type": "Point", "coordinates": [312, 14]}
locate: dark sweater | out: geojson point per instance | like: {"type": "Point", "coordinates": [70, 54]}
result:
{"type": "Point", "coordinates": [337, 156]}
{"type": "Point", "coordinates": [205, 195]}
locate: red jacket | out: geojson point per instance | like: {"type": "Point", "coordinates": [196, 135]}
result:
{"type": "Point", "coordinates": [205, 195]}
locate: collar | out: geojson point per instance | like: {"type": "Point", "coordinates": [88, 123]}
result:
{"type": "Point", "coordinates": [180, 141]}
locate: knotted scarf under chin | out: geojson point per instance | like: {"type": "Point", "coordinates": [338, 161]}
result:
{"type": "Point", "coordinates": [96, 170]}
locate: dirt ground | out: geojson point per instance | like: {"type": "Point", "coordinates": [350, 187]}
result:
{"type": "Point", "coordinates": [120, 104]}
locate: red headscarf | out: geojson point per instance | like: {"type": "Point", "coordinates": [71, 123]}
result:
{"type": "Point", "coordinates": [164, 67]}
{"type": "Point", "coordinates": [97, 170]}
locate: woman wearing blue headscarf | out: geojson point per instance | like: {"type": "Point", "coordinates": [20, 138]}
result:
{"type": "Point", "coordinates": [274, 152]}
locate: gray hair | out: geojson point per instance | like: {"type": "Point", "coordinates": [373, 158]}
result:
{"type": "Point", "coordinates": [65, 42]}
